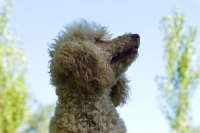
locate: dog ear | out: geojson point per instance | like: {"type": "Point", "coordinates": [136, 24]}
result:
{"type": "Point", "coordinates": [86, 64]}
{"type": "Point", "coordinates": [120, 92]}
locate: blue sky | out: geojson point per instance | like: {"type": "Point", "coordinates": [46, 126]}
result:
{"type": "Point", "coordinates": [40, 21]}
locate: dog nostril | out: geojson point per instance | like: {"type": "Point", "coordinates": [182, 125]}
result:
{"type": "Point", "coordinates": [135, 36]}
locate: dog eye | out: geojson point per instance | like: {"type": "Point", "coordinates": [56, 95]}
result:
{"type": "Point", "coordinates": [98, 41]}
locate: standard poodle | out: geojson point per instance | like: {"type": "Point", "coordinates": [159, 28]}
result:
{"type": "Point", "coordinates": [87, 68]}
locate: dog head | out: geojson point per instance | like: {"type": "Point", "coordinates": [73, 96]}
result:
{"type": "Point", "coordinates": [86, 54]}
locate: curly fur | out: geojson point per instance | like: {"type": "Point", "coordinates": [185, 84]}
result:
{"type": "Point", "coordinates": [87, 68]}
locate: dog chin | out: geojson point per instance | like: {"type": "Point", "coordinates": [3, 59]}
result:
{"type": "Point", "coordinates": [130, 53]}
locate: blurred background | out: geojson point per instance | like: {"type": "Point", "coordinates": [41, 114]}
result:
{"type": "Point", "coordinates": [165, 94]}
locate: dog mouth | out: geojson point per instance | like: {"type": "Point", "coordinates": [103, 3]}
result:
{"type": "Point", "coordinates": [133, 50]}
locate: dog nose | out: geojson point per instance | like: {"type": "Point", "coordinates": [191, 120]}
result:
{"type": "Point", "coordinates": [135, 36]}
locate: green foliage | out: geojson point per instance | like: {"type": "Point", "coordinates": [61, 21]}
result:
{"type": "Point", "coordinates": [13, 90]}
{"type": "Point", "coordinates": [14, 114]}
{"type": "Point", "coordinates": [38, 121]}
{"type": "Point", "coordinates": [5, 10]}
{"type": "Point", "coordinates": [181, 74]}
